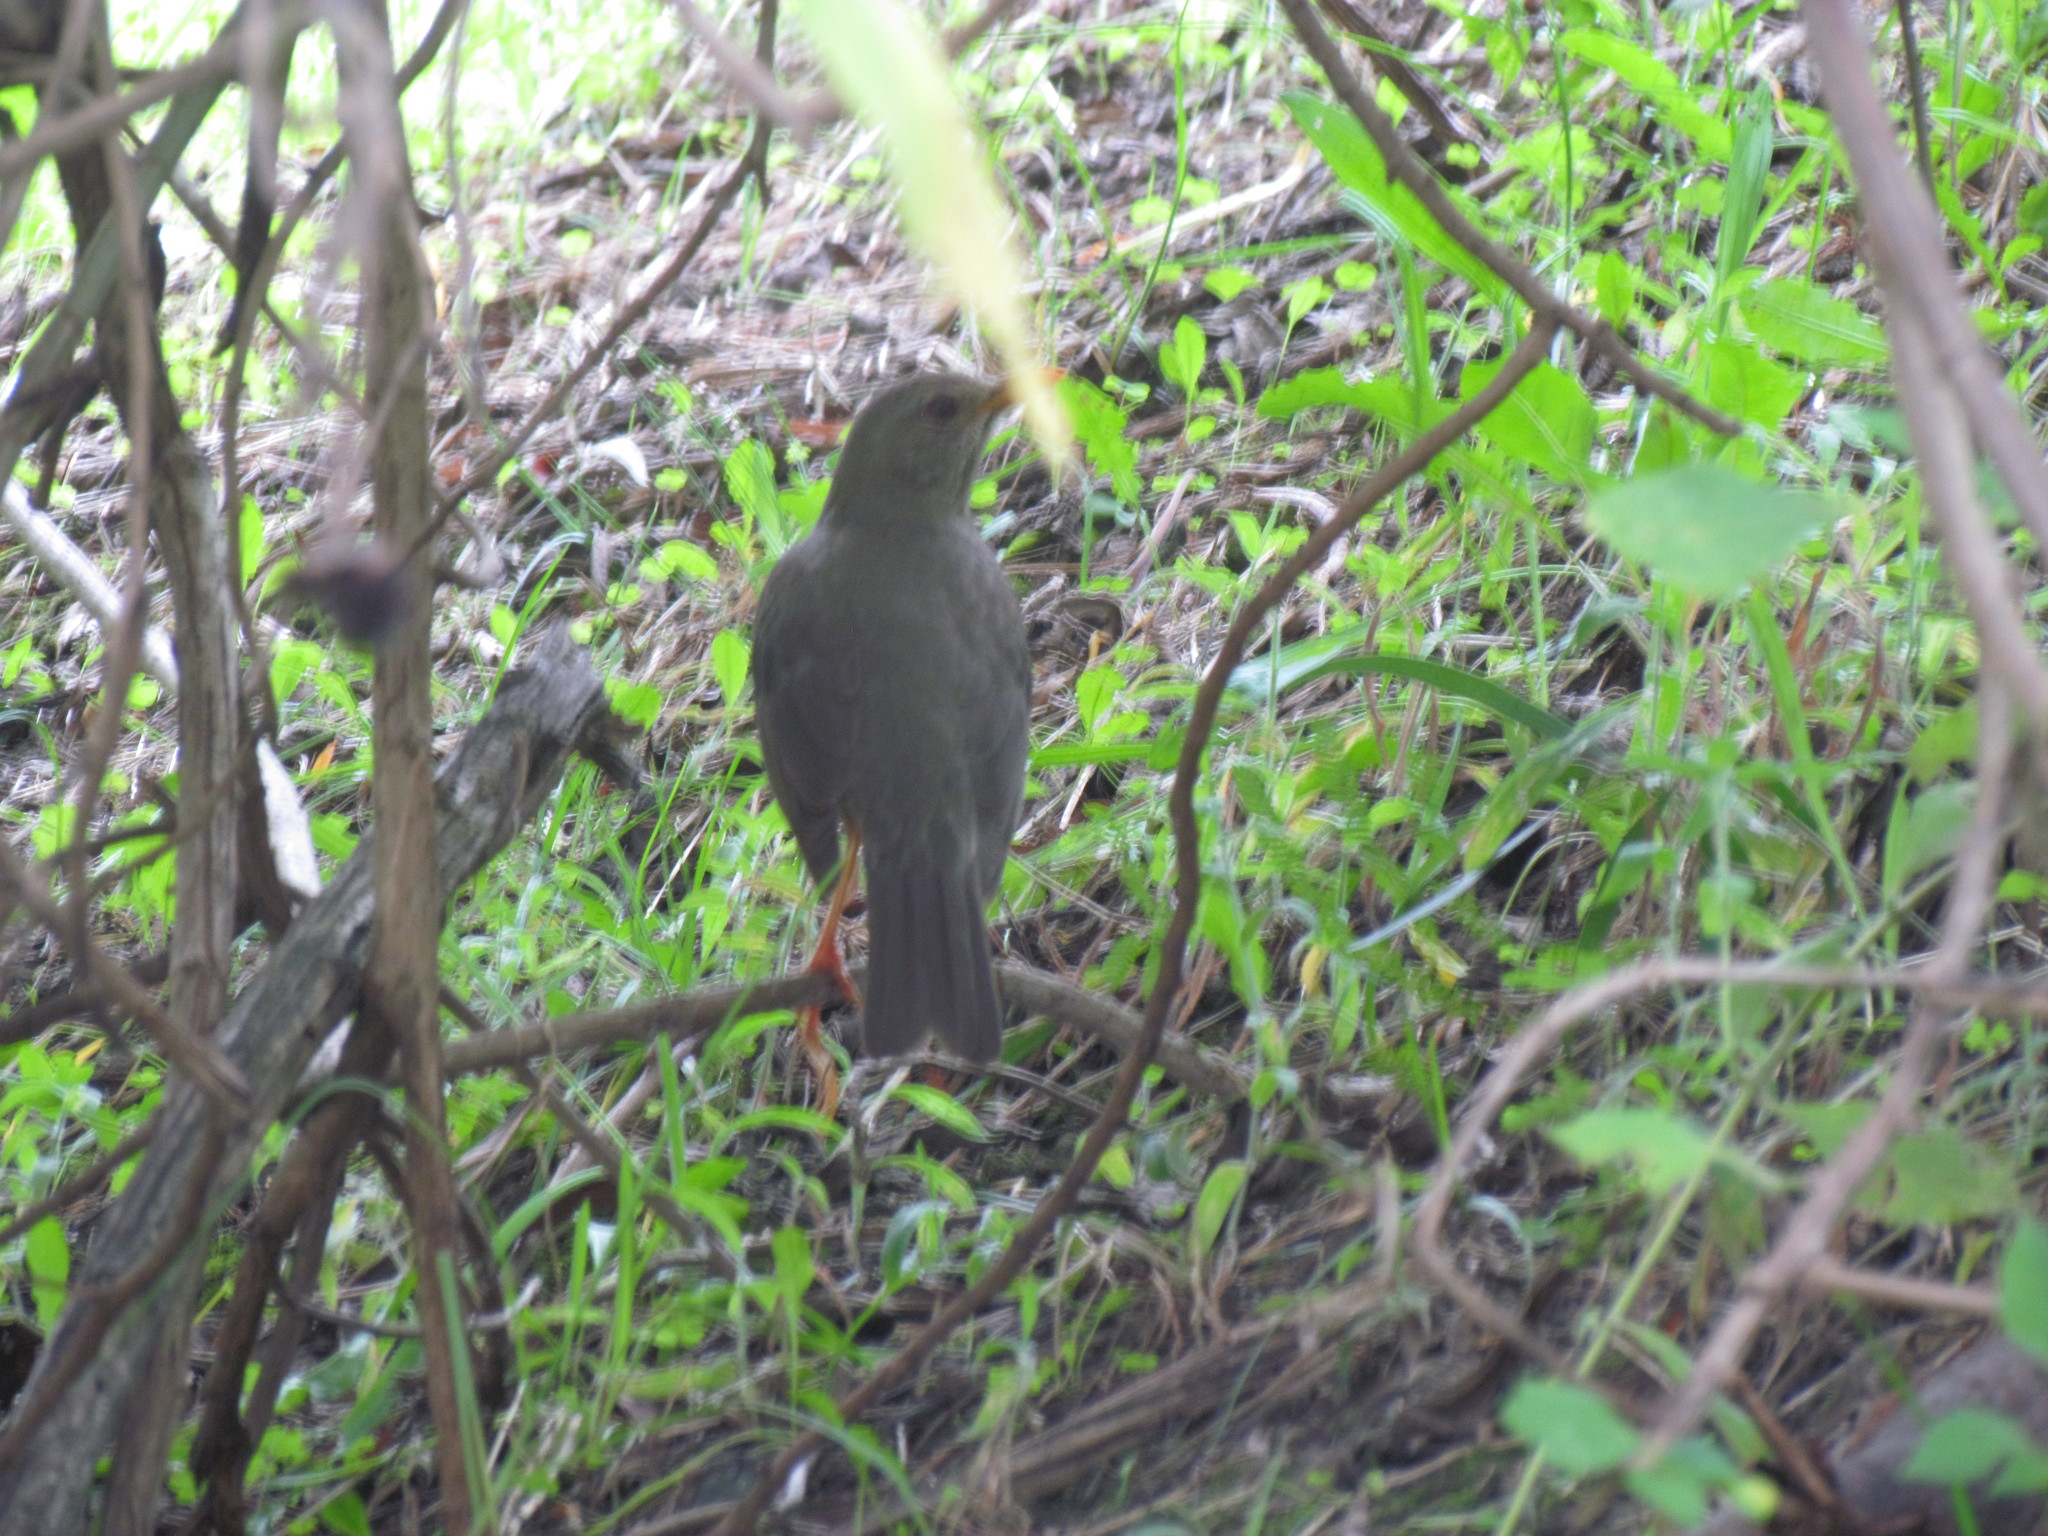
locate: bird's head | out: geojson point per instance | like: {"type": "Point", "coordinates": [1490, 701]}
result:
{"type": "Point", "coordinates": [913, 449]}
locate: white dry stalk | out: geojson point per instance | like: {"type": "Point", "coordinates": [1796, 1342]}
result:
{"type": "Point", "coordinates": [291, 833]}
{"type": "Point", "coordinates": [73, 568]}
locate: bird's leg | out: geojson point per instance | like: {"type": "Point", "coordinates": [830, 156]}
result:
{"type": "Point", "coordinates": [826, 959]}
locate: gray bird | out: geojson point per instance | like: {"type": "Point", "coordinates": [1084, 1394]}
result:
{"type": "Point", "coordinates": [893, 688]}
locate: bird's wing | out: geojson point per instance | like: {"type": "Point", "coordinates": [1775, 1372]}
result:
{"type": "Point", "coordinates": [803, 700]}
{"type": "Point", "coordinates": [1002, 734]}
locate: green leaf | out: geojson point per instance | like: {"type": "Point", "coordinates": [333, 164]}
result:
{"type": "Point", "coordinates": [902, 1229]}
{"type": "Point", "coordinates": [1099, 427]}
{"type": "Point", "coordinates": [1704, 529]}
{"type": "Point", "coordinates": [680, 560]}
{"type": "Point", "coordinates": [1090, 754]}
{"type": "Point", "coordinates": [1228, 282]}
{"type": "Point", "coordinates": [1548, 420]}
{"type": "Point", "coordinates": [941, 1107]}
{"type": "Point", "coordinates": [1680, 1486]}
{"type": "Point", "coordinates": [1665, 1149]}
{"type": "Point", "coordinates": [791, 1250]}
{"type": "Point", "coordinates": [750, 481]}
{"type": "Point", "coordinates": [2023, 1289]}
{"type": "Point", "coordinates": [1799, 320]}
{"type": "Point", "coordinates": [1212, 1206]}
{"type": "Point", "coordinates": [1964, 1446]}
{"type": "Point", "coordinates": [637, 704]}
{"type": "Point", "coordinates": [730, 658]}
{"type": "Point", "coordinates": [1303, 297]}
{"type": "Point", "coordinates": [48, 1256]}
{"type": "Point", "coordinates": [1614, 283]}
{"type": "Point", "coordinates": [1748, 170]}
{"type": "Point", "coordinates": [1938, 1177]}
{"type": "Point", "coordinates": [1950, 737]}
{"type": "Point", "coordinates": [1572, 1426]}
{"type": "Point", "coordinates": [1095, 690]}
{"type": "Point", "coordinates": [1929, 832]}
{"type": "Point", "coordinates": [1264, 678]}
{"type": "Point", "coordinates": [1737, 377]}
{"type": "Point", "coordinates": [345, 1515]}
{"type": "Point", "coordinates": [1827, 1126]}
{"type": "Point", "coordinates": [1181, 359]}
{"type": "Point", "coordinates": [249, 532]}
{"type": "Point", "coordinates": [1387, 399]}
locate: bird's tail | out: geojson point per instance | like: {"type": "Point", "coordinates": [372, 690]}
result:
{"type": "Point", "coordinates": [928, 959]}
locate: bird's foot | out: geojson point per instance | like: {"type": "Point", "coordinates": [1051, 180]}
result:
{"type": "Point", "coordinates": [810, 1035]}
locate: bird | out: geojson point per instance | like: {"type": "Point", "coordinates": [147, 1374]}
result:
{"type": "Point", "coordinates": [892, 686]}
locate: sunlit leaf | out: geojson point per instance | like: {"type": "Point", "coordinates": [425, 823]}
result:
{"type": "Point", "coordinates": [2023, 1289]}
{"type": "Point", "coordinates": [1704, 529]}
{"type": "Point", "coordinates": [1572, 1426]}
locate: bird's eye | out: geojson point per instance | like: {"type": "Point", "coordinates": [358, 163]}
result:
{"type": "Point", "coordinates": [942, 408]}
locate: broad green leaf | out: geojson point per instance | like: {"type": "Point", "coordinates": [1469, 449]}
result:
{"type": "Point", "coordinates": [1930, 830]}
{"type": "Point", "coordinates": [1681, 1485]}
{"type": "Point", "coordinates": [730, 658]}
{"type": "Point", "coordinates": [902, 1229]}
{"type": "Point", "coordinates": [1967, 1445]}
{"type": "Point", "coordinates": [249, 533]}
{"type": "Point", "coordinates": [1115, 1167]}
{"type": "Point", "coordinates": [1213, 1204]}
{"type": "Point", "coordinates": [1181, 359]}
{"type": "Point", "coordinates": [1572, 1426]}
{"type": "Point", "coordinates": [942, 1107]}
{"type": "Point", "coordinates": [1548, 420]}
{"type": "Point", "coordinates": [1665, 1149]}
{"type": "Point", "coordinates": [680, 560]}
{"type": "Point", "coordinates": [1228, 282]}
{"type": "Point", "coordinates": [1099, 425]}
{"type": "Point", "coordinates": [1704, 529]}
{"type": "Point", "coordinates": [1950, 737]}
{"type": "Point", "coordinates": [791, 1251]}
{"type": "Point", "coordinates": [637, 704]}
{"type": "Point", "coordinates": [1799, 320]}
{"type": "Point", "coordinates": [750, 482]}
{"type": "Point", "coordinates": [1827, 1126]}
{"type": "Point", "coordinates": [2023, 1289]}
{"type": "Point", "coordinates": [1303, 297]}
{"type": "Point", "coordinates": [1938, 1177]}
{"type": "Point", "coordinates": [1614, 284]}
{"type": "Point", "coordinates": [884, 62]}
{"type": "Point", "coordinates": [1738, 378]}
{"type": "Point", "coordinates": [1749, 167]}
{"type": "Point", "coordinates": [345, 1515]}
{"type": "Point", "coordinates": [48, 1256]}
{"type": "Point", "coordinates": [1388, 399]}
